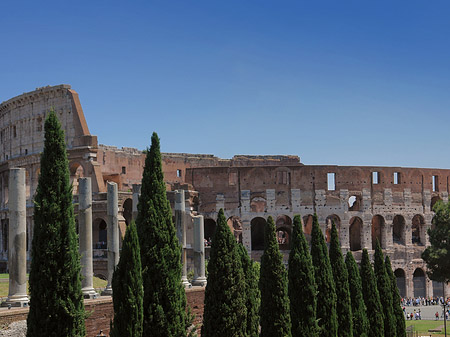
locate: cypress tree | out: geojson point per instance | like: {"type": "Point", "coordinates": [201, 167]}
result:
{"type": "Point", "coordinates": [371, 297]}
{"type": "Point", "coordinates": [340, 275]}
{"type": "Point", "coordinates": [385, 291]}
{"type": "Point", "coordinates": [396, 301]}
{"type": "Point", "coordinates": [128, 291]}
{"type": "Point", "coordinates": [164, 295]}
{"type": "Point", "coordinates": [225, 313]}
{"type": "Point", "coordinates": [326, 292]}
{"type": "Point", "coordinates": [275, 317]}
{"type": "Point", "coordinates": [359, 314]}
{"type": "Point", "coordinates": [253, 296]}
{"type": "Point", "coordinates": [302, 288]}
{"type": "Point", "coordinates": [57, 307]}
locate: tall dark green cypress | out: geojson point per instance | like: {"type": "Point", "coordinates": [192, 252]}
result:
{"type": "Point", "coordinates": [57, 307]}
{"type": "Point", "coordinates": [302, 288]}
{"type": "Point", "coordinates": [385, 291]}
{"type": "Point", "coordinates": [225, 313]}
{"type": "Point", "coordinates": [275, 317]}
{"type": "Point", "coordinates": [164, 294]}
{"type": "Point", "coordinates": [128, 292]}
{"type": "Point", "coordinates": [396, 301]}
{"type": "Point", "coordinates": [340, 275]}
{"type": "Point", "coordinates": [371, 297]}
{"type": "Point", "coordinates": [252, 293]}
{"type": "Point", "coordinates": [326, 291]}
{"type": "Point", "coordinates": [359, 310]}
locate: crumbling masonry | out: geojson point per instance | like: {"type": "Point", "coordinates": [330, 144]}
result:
{"type": "Point", "coordinates": [391, 204]}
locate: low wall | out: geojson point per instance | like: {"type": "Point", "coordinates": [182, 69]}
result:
{"type": "Point", "coordinates": [100, 312]}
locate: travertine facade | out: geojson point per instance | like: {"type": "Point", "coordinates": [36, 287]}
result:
{"type": "Point", "coordinates": [391, 204]}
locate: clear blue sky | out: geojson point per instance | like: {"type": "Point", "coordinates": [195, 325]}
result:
{"type": "Point", "coordinates": [335, 82]}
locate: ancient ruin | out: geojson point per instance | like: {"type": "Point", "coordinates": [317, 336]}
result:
{"type": "Point", "coordinates": [391, 204]}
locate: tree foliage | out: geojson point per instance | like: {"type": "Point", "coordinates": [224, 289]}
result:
{"type": "Point", "coordinates": [371, 297]}
{"type": "Point", "coordinates": [164, 295]}
{"type": "Point", "coordinates": [57, 307]}
{"type": "Point", "coordinates": [399, 316]}
{"type": "Point", "coordinates": [340, 275]}
{"type": "Point", "coordinates": [302, 288]}
{"type": "Point", "coordinates": [385, 291]}
{"type": "Point", "coordinates": [359, 314]}
{"type": "Point", "coordinates": [437, 255]}
{"type": "Point", "coordinates": [225, 313]}
{"type": "Point", "coordinates": [252, 293]}
{"type": "Point", "coordinates": [326, 292]}
{"type": "Point", "coordinates": [128, 291]}
{"type": "Point", "coordinates": [275, 317]}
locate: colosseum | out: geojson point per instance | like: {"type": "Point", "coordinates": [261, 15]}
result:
{"type": "Point", "coordinates": [391, 204]}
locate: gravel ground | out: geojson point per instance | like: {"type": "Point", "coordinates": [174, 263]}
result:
{"type": "Point", "coordinates": [16, 329]}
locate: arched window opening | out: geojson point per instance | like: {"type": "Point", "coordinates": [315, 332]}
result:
{"type": "Point", "coordinates": [355, 233]}
{"type": "Point", "coordinates": [258, 205]}
{"type": "Point", "coordinates": [329, 221]}
{"type": "Point", "coordinates": [257, 232]}
{"type": "Point", "coordinates": [307, 226]}
{"type": "Point", "coordinates": [235, 225]}
{"type": "Point", "coordinates": [128, 211]}
{"type": "Point", "coordinates": [284, 229]}
{"type": "Point", "coordinates": [210, 229]}
{"type": "Point", "coordinates": [100, 234]}
{"type": "Point", "coordinates": [418, 230]}
{"type": "Point", "coordinates": [401, 281]}
{"type": "Point", "coordinates": [76, 172]}
{"type": "Point", "coordinates": [398, 233]}
{"type": "Point", "coordinates": [419, 283]}
{"type": "Point", "coordinates": [377, 230]}
{"type": "Point", "coordinates": [354, 203]}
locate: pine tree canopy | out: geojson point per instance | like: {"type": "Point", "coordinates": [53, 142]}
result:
{"type": "Point", "coordinates": [396, 301]}
{"type": "Point", "coordinates": [253, 296]}
{"type": "Point", "coordinates": [326, 292]}
{"type": "Point", "coordinates": [225, 313]}
{"type": "Point", "coordinates": [302, 288]}
{"type": "Point", "coordinates": [371, 297]}
{"type": "Point", "coordinates": [275, 317]}
{"type": "Point", "coordinates": [359, 310]}
{"type": "Point", "coordinates": [437, 255]}
{"type": "Point", "coordinates": [57, 307]}
{"type": "Point", "coordinates": [128, 292]}
{"type": "Point", "coordinates": [385, 290]}
{"type": "Point", "coordinates": [340, 275]}
{"type": "Point", "coordinates": [164, 295]}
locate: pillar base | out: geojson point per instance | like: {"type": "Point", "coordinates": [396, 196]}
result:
{"type": "Point", "coordinates": [201, 281]}
{"type": "Point", "coordinates": [185, 282]}
{"type": "Point", "coordinates": [17, 301]}
{"type": "Point", "coordinates": [107, 292]}
{"type": "Point", "coordinates": [89, 293]}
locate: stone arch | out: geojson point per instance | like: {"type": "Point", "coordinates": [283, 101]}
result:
{"type": "Point", "coordinates": [418, 229]}
{"type": "Point", "coordinates": [333, 218]}
{"type": "Point", "coordinates": [401, 281]}
{"type": "Point", "coordinates": [258, 205]}
{"type": "Point", "coordinates": [284, 231]}
{"type": "Point", "coordinates": [378, 225]}
{"type": "Point", "coordinates": [419, 282]}
{"type": "Point", "coordinates": [209, 230]}
{"type": "Point", "coordinates": [398, 230]}
{"type": "Point", "coordinates": [354, 203]}
{"type": "Point", "coordinates": [434, 200]}
{"type": "Point", "coordinates": [257, 232]}
{"type": "Point", "coordinates": [128, 210]}
{"type": "Point", "coordinates": [355, 233]}
{"type": "Point", "coordinates": [307, 226]}
{"type": "Point", "coordinates": [235, 225]}
{"type": "Point", "coordinates": [100, 234]}
{"type": "Point", "coordinates": [76, 172]}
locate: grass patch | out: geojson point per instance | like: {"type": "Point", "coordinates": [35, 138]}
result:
{"type": "Point", "coordinates": [422, 327]}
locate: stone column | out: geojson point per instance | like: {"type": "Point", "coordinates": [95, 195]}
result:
{"type": "Point", "coordinates": [199, 252]}
{"type": "Point", "coordinates": [180, 222]}
{"type": "Point", "coordinates": [17, 241]}
{"type": "Point", "coordinates": [113, 233]}
{"type": "Point", "coordinates": [136, 195]}
{"type": "Point", "coordinates": [85, 230]}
